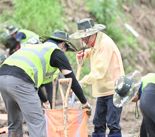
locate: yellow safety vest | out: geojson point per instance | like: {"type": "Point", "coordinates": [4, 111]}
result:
{"type": "Point", "coordinates": [35, 61]}
{"type": "Point", "coordinates": [149, 78]}
{"type": "Point", "coordinates": [31, 37]}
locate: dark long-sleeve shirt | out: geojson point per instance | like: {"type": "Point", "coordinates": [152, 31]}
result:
{"type": "Point", "coordinates": [59, 60]}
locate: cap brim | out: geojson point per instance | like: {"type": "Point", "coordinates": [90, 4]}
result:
{"type": "Point", "coordinates": [71, 47]}
{"type": "Point", "coordinates": [88, 32]}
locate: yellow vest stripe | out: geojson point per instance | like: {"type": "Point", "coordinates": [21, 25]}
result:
{"type": "Point", "coordinates": [28, 62]}
{"type": "Point", "coordinates": [40, 55]}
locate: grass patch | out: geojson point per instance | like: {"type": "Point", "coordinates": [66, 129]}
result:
{"type": "Point", "coordinates": [40, 16]}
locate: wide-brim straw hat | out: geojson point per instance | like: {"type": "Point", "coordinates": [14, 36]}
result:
{"type": "Point", "coordinates": [63, 36]}
{"type": "Point", "coordinates": [86, 27]}
{"type": "Point", "coordinates": [126, 89]}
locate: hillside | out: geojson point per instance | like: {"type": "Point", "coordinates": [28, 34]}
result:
{"type": "Point", "coordinates": [140, 15]}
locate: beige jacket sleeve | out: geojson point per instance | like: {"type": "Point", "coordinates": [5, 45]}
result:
{"type": "Point", "coordinates": [100, 60]}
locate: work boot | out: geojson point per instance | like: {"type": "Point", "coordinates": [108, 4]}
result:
{"type": "Point", "coordinates": [98, 134]}
{"type": "Point", "coordinates": [14, 134]}
{"type": "Point", "coordinates": [115, 135]}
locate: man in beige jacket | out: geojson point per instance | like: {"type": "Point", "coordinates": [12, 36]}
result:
{"type": "Point", "coordinates": [106, 67]}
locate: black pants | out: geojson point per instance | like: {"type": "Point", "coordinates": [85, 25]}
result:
{"type": "Point", "coordinates": [143, 132]}
{"type": "Point", "coordinates": [147, 106]}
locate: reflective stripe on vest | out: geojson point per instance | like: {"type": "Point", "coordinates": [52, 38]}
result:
{"type": "Point", "coordinates": [40, 55]}
{"type": "Point", "coordinates": [149, 78]}
{"type": "Point", "coordinates": [29, 62]}
{"type": "Point", "coordinates": [34, 61]}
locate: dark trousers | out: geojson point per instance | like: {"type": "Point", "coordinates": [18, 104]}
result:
{"type": "Point", "coordinates": [106, 115]}
{"type": "Point", "coordinates": [21, 100]}
{"type": "Point", "coordinates": [143, 132]}
{"type": "Point", "coordinates": [147, 107]}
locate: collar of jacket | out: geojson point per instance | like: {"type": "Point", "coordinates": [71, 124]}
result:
{"type": "Point", "coordinates": [97, 42]}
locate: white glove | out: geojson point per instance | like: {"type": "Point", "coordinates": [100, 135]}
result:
{"type": "Point", "coordinates": [46, 105]}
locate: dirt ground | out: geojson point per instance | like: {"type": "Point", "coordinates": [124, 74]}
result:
{"type": "Point", "coordinates": [129, 124]}
{"type": "Point", "coordinates": [145, 26]}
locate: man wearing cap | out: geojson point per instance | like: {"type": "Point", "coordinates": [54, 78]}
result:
{"type": "Point", "coordinates": [23, 36]}
{"type": "Point", "coordinates": [18, 37]}
{"type": "Point", "coordinates": [13, 45]}
{"type": "Point", "coordinates": [22, 73]}
{"type": "Point", "coordinates": [106, 67]}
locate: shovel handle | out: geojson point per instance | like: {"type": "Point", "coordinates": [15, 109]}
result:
{"type": "Point", "coordinates": [65, 98]}
{"type": "Point", "coordinates": [65, 80]}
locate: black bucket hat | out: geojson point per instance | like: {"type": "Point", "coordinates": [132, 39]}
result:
{"type": "Point", "coordinates": [63, 36]}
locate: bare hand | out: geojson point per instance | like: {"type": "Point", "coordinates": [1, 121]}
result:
{"type": "Point", "coordinates": [135, 99]}
{"type": "Point", "coordinates": [79, 57]}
